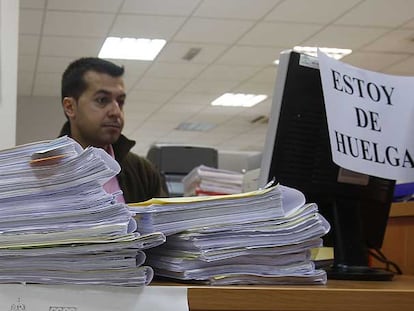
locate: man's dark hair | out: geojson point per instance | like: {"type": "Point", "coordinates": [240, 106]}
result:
{"type": "Point", "coordinates": [73, 82]}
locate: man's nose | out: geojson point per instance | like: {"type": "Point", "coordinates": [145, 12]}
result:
{"type": "Point", "coordinates": [115, 108]}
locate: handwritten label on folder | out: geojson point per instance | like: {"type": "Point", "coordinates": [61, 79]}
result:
{"type": "Point", "coordinates": [370, 119]}
{"type": "Point", "coordinates": [92, 298]}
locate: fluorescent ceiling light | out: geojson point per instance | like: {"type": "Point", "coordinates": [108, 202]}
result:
{"type": "Point", "coordinates": [131, 48]}
{"type": "Point", "coordinates": [331, 52]}
{"type": "Point", "coordinates": [238, 100]}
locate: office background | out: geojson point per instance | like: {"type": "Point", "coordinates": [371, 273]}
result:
{"type": "Point", "coordinates": [238, 41]}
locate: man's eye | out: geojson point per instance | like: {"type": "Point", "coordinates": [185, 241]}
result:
{"type": "Point", "coordinates": [103, 100]}
{"type": "Point", "coordinates": [121, 102]}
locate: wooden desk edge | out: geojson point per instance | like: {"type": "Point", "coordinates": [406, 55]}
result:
{"type": "Point", "coordinates": [336, 295]}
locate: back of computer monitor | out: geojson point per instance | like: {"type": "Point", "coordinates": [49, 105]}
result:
{"type": "Point", "coordinates": [297, 154]}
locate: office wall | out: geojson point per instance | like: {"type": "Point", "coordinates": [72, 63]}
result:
{"type": "Point", "coordinates": [239, 161]}
{"type": "Point", "coordinates": [38, 118]}
{"type": "Point", "coordinates": [9, 15]}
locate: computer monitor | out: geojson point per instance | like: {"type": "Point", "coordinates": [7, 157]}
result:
{"type": "Point", "coordinates": [297, 154]}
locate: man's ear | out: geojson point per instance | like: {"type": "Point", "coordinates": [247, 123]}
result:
{"type": "Point", "coordinates": [69, 106]}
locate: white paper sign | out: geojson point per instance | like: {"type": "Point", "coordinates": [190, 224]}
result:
{"type": "Point", "coordinates": [370, 119]}
{"type": "Point", "coordinates": [92, 298]}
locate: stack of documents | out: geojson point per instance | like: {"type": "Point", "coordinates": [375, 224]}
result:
{"type": "Point", "coordinates": [57, 223]}
{"type": "Point", "coordinates": [204, 180]}
{"type": "Point", "coordinates": [260, 237]}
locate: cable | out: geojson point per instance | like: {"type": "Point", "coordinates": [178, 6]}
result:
{"type": "Point", "coordinates": [390, 265]}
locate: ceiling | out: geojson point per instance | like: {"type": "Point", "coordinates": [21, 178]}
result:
{"type": "Point", "coordinates": [239, 40]}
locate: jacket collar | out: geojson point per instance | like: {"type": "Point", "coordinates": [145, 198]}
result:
{"type": "Point", "coordinates": [121, 147]}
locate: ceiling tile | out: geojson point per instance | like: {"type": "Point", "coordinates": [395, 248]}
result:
{"type": "Point", "coordinates": [215, 115]}
{"type": "Point", "coordinates": [255, 88]}
{"type": "Point", "coordinates": [217, 87]}
{"type": "Point", "coordinates": [30, 22]}
{"type": "Point", "coordinates": [160, 7]}
{"type": "Point", "coordinates": [404, 67]}
{"type": "Point", "coordinates": [185, 110]}
{"type": "Point", "coordinates": [111, 6]}
{"type": "Point", "coordinates": [266, 75]}
{"type": "Point", "coordinates": [145, 26]}
{"type": "Point", "coordinates": [246, 9]}
{"type": "Point", "coordinates": [70, 47]}
{"type": "Point", "coordinates": [279, 34]}
{"type": "Point", "coordinates": [77, 24]}
{"type": "Point", "coordinates": [212, 30]}
{"type": "Point", "coordinates": [50, 64]}
{"type": "Point", "coordinates": [227, 72]}
{"type": "Point", "coordinates": [394, 41]}
{"type": "Point", "coordinates": [135, 67]}
{"type": "Point", "coordinates": [160, 84]}
{"type": "Point", "coordinates": [262, 108]}
{"type": "Point", "coordinates": [134, 70]}
{"type": "Point", "coordinates": [172, 114]}
{"type": "Point", "coordinates": [128, 132]}
{"type": "Point", "coordinates": [193, 98]}
{"type": "Point", "coordinates": [345, 36]}
{"type": "Point", "coordinates": [243, 142]}
{"type": "Point", "coordinates": [250, 56]}
{"type": "Point", "coordinates": [175, 71]}
{"type": "Point", "coordinates": [133, 122]}
{"type": "Point", "coordinates": [372, 60]}
{"type": "Point", "coordinates": [227, 133]}
{"type": "Point", "coordinates": [175, 109]}
{"type": "Point", "coordinates": [133, 118]}
{"type": "Point", "coordinates": [305, 11]}
{"type": "Point", "coordinates": [137, 109]}
{"type": "Point", "coordinates": [379, 13]}
{"type": "Point", "coordinates": [148, 96]}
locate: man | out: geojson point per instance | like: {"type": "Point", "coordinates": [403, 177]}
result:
{"type": "Point", "coordinates": [93, 98]}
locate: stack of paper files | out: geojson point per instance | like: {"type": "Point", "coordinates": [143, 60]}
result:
{"type": "Point", "coordinates": [260, 237]}
{"type": "Point", "coordinates": [57, 223]}
{"type": "Point", "coordinates": [204, 180]}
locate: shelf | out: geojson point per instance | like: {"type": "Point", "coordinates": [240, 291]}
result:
{"type": "Point", "coordinates": [402, 209]}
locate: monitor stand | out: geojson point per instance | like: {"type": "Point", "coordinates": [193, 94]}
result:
{"type": "Point", "coordinates": [359, 273]}
{"type": "Point", "coordinates": [350, 250]}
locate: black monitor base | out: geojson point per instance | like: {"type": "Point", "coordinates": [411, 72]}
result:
{"type": "Point", "coordinates": [358, 273]}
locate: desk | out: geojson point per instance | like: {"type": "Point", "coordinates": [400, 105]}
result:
{"type": "Point", "coordinates": [335, 296]}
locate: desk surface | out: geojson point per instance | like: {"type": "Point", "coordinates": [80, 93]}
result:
{"type": "Point", "coordinates": [336, 295]}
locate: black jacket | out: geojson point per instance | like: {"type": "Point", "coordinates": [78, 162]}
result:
{"type": "Point", "coordinates": [138, 179]}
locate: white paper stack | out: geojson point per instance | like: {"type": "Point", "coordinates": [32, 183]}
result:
{"type": "Point", "coordinates": [259, 237]}
{"type": "Point", "coordinates": [57, 223]}
{"type": "Point", "coordinates": [204, 180]}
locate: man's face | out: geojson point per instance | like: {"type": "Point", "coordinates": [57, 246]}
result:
{"type": "Point", "coordinates": [97, 117]}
